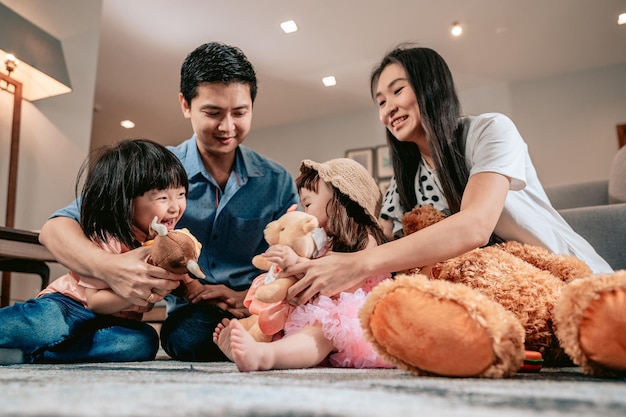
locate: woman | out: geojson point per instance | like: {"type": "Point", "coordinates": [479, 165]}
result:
{"type": "Point", "coordinates": [476, 168]}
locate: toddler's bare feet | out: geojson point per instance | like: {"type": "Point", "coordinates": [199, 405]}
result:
{"type": "Point", "coordinates": [247, 353]}
{"type": "Point", "coordinates": [221, 337]}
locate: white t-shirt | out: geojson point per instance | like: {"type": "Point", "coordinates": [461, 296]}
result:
{"type": "Point", "coordinates": [493, 144]}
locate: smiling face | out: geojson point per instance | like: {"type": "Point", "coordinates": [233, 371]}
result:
{"type": "Point", "coordinates": [167, 205]}
{"type": "Point", "coordinates": [397, 105]}
{"type": "Point", "coordinates": [221, 116]}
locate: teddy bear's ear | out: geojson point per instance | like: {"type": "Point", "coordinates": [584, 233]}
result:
{"type": "Point", "coordinates": [421, 217]}
{"type": "Point", "coordinates": [310, 223]}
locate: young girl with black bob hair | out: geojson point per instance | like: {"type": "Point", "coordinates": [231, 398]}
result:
{"type": "Point", "coordinates": [80, 319]}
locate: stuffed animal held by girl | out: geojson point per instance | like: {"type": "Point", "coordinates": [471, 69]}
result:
{"type": "Point", "coordinates": [176, 250]}
{"type": "Point", "coordinates": [266, 297]}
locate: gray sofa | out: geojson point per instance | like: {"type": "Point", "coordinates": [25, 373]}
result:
{"type": "Point", "coordinates": [597, 211]}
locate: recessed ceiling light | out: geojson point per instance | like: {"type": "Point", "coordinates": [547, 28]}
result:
{"type": "Point", "coordinates": [127, 124]}
{"type": "Point", "coordinates": [289, 26]}
{"type": "Point", "coordinates": [329, 81]}
{"type": "Point", "coordinates": [456, 30]}
{"type": "Point", "coordinates": [621, 19]}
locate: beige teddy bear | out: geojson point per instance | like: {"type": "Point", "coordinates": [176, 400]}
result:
{"type": "Point", "coordinates": [266, 297]}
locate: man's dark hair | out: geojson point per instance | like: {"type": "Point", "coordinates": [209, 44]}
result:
{"type": "Point", "coordinates": [216, 62]}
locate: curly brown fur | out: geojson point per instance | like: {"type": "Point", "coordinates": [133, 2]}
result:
{"type": "Point", "coordinates": [505, 333]}
{"type": "Point", "coordinates": [420, 218]}
{"type": "Point", "coordinates": [504, 279]}
{"type": "Point", "coordinates": [565, 267]}
{"type": "Point", "coordinates": [570, 311]}
{"type": "Point", "coordinates": [526, 279]}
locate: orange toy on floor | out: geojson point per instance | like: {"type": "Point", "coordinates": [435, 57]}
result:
{"type": "Point", "coordinates": [476, 314]}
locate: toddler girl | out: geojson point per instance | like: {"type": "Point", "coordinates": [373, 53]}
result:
{"type": "Point", "coordinates": [346, 201]}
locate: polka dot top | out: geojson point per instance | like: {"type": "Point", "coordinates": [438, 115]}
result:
{"type": "Point", "coordinates": [427, 190]}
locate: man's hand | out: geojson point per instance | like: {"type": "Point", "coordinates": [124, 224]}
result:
{"type": "Point", "coordinates": [220, 295]}
{"type": "Point", "coordinates": [132, 278]}
{"type": "Point", "coordinates": [128, 274]}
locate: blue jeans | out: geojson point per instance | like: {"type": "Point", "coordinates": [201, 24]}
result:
{"type": "Point", "coordinates": [187, 333]}
{"type": "Point", "coordinates": [57, 329]}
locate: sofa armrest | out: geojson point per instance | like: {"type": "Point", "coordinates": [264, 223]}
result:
{"type": "Point", "coordinates": [590, 193]}
{"type": "Point", "coordinates": [604, 227]}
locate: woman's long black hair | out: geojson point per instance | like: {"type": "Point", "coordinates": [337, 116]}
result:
{"type": "Point", "coordinates": [114, 176]}
{"type": "Point", "coordinates": [440, 111]}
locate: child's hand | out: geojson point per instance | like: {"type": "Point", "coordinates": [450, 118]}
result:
{"type": "Point", "coordinates": [281, 255]}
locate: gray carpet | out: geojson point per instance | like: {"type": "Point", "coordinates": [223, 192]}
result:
{"type": "Point", "coordinates": [172, 388]}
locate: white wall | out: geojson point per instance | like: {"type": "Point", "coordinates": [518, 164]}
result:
{"type": "Point", "coordinates": [318, 140]}
{"type": "Point", "coordinates": [55, 132]}
{"type": "Point", "coordinates": [568, 122]}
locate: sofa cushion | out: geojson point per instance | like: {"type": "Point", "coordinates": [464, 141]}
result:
{"type": "Point", "coordinates": [617, 178]}
{"type": "Point", "coordinates": [604, 227]}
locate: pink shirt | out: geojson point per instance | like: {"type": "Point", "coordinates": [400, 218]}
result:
{"type": "Point", "coordinates": [73, 285]}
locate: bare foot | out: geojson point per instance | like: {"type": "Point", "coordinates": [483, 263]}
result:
{"type": "Point", "coordinates": [247, 353]}
{"type": "Point", "coordinates": [221, 337]}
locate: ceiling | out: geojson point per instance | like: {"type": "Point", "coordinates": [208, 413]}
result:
{"type": "Point", "coordinates": [144, 42]}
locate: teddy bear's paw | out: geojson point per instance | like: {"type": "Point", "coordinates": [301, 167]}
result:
{"type": "Point", "coordinates": [441, 328]}
{"type": "Point", "coordinates": [261, 263]}
{"type": "Point", "coordinates": [591, 323]}
{"type": "Point", "coordinates": [274, 291]}
{"type": "Point", "coordinates": [251, 324]}
{"type": "Point", "coordinates": [564, 267]}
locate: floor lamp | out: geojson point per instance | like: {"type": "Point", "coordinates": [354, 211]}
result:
{"type": "Point", "coordinates": [34, 68]}
{"type": "Point", "coordinates": [14, 86]}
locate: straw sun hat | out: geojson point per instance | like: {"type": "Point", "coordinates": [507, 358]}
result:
{"type": "Point", "coordinates": [352, 179]}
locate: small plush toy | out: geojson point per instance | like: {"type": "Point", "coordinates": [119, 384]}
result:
{"type": "Point", "coordinates": [477, 314]}
{"type": "Point", "coordinates": [266, 297]}
{"type": "Point", "coordinates": [176, 251]}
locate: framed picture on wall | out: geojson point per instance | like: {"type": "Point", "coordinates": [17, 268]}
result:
{"type": "Point", "coordinates": [363, 156]}
{"type": "Point", "coordinates": [384, 168]}
{"type": "Point", "coordinates": [621, 135]}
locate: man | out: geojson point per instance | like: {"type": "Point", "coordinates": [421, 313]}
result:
{"type": "Point", "coordinates": [233, 193]}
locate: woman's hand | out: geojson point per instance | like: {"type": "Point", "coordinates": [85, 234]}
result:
{"type": "Point", "coordinates": [328, 275]}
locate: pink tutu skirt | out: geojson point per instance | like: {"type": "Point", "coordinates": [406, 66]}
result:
{"type": "Point", "coordinates": [339, 318]}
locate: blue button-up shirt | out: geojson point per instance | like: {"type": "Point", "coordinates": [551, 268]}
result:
{"type": "Point", "coordinates": [229, 224]}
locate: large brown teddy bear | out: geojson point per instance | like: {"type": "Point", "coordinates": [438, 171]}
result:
{"type": "Point", "coordinates": [476, 314]}
{"type": "Point", "coordinates": [266, 297]}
